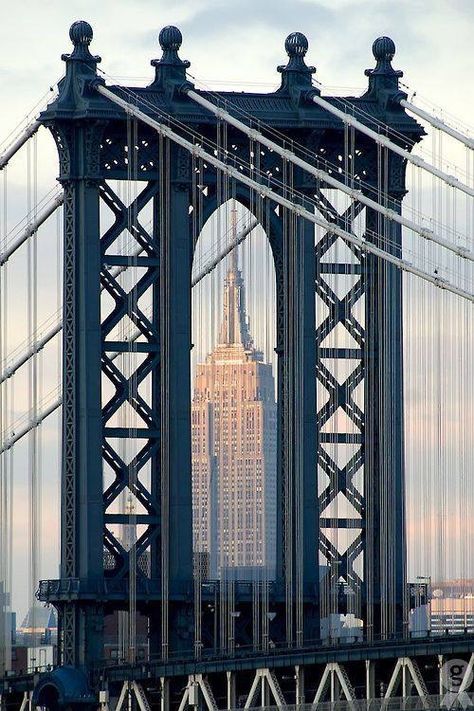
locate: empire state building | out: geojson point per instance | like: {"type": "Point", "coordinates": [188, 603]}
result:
{"type": "Point", "coordinates": [234, 448]}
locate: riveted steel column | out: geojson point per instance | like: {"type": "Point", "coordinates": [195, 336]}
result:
{"type": "Point", "coordinates": [385, 552]}
{"type": "Point", "coordinates": [299, 432]}
{"type": "Point", "coordinates": [82, 508]}
{"type": "Point", "coordinates": [175, 337]}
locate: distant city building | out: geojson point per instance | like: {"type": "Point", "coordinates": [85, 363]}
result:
{"type": "Point", "coordinates": [39, 626]}
{"type": "Point", "coordinates": [201, 565]}
{"type": "Point", "coordinates": [452, 614]}
{"type": "Point", "coordinates": [455, 587]}
{"type": "Point", "coordinates": [234, 448]}
{"type": "Point", "coordinates": [7, 630]}
{"type": "Point", "coordinates": [446, 608]}
{"type": "Point", "coordinates": [35, 642]}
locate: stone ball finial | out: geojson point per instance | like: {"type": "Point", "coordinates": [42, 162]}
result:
{"type": "Point", "coordinates": [383, 49]}
{"type": "Point", "coordinates": [170, 38]}
{"type": "Point", "coordinates": [296, 44]}
{"type": "Point", "coordinates": [81, 33]}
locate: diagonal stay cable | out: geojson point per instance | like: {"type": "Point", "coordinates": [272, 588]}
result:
{"type": "Point", "coordinates": [265, 191]}
{"type": "Point", "coordinates": [355, 194]}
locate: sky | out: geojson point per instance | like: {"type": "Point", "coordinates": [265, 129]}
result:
{"type": "Point", "coordinates": [231, 44]}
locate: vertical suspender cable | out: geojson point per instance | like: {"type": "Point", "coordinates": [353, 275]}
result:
{"type": "Point", "coordinates": [4, 532]}
{"type": "Point", "coordinates": [164, 168]}
{"type": "Point", "coordinates": [34, 484]}
{"type": "Point", "coordinates": [9, 458]}
{"type": "Point", "coordinates": [59, 269]}
{"type": "Point", "coordinates": [123, 615]}
{"type": "Point", "coordinates": [132, 384]}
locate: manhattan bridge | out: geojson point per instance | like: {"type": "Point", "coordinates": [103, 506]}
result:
{"type": "Point", "coordinates": [364, 286]}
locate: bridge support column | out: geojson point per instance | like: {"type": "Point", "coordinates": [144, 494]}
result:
{"type": "Point", "coordinates": [174, 628]}
{"type": "Point", "coordinates": [164, 694]}
{"type": "Point", "coordinates": [298, 451]}
{"type": "Point", "coordinates": [299, 685]}
{"type": "Point", "coordinates": [385, 553]}
{"type": "Point", "coordinates": [335, 681]}
{"type": "Point", "coordinates": [266, 681]}
{"type": "Point", "coordinates": [231, 690]}
{"type": "Point", "coordinates": [82, 496]}
{"type": "Point", "coordinates": [406, 669]}
{"type": "Point", "coordinates": [130, 690]}
{"type": "Point", "coordinates": [369, 679]}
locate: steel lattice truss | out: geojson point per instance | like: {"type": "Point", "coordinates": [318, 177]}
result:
{"type": "Point", "coordinates": [340, 558]}
{"type": "Point", "coordinates": [127, 475]}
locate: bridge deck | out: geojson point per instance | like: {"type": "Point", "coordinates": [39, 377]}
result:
{"type": "Point", "coordinates": [277, 658]}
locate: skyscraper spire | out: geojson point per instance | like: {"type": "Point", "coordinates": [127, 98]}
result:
{"type": "Point", "coordinates": [234, 254]}
{"type": "Point", "coordinates": [234, 328]}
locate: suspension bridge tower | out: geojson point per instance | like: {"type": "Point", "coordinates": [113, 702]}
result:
{"type": "Point", "coordinates": [114, 170]}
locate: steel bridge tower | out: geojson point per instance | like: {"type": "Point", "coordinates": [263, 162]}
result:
{"type": "Point", "coordinates": [93, 139]}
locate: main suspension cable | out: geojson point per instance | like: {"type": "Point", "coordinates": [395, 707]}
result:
{"type": "Point", "coordinates": [387, 143]}
{"type": "Point", "coordinates": [31, 228]}
{"type": "Point", "coordinates": [270, 179]}
{"type": "Point", "coordinates": [330, 167]}
{"type": "Point", "coordinates": [265, 191]}
{"type": "Point", "coordinates": [25, 135]}
{"type": "Point", "coordinates": [438, 123]}
{"type": "Point", "coordinates": [354, 193]}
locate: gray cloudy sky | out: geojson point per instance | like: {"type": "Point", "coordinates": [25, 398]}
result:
{"type": "Point", "coordinates": [241, 40]}
{"type": "Point", "coordinates": [227, 41]}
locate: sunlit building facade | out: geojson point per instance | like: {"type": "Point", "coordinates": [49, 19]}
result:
{"type": "Point", "coordinates": [234, 448]}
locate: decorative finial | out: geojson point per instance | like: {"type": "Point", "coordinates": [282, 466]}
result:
{"type": "Point", "coordinates": [170, 39]}
{"type": "Point", "coordinates": [296, 75]}
{"type": "Point", "coordinates": [383, 80]}
{"type": "Point", "coordinates": [296, 45]}
{"type": "Point", "coordinates": [170, 69]}
{"type": "Point", "coordinates": [81, 35]}
{"type": "Point", "coordinates": [383, 49]}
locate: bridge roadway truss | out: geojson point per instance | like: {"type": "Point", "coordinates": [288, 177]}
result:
{"type": "Point", "coordinates": [383, 675]}
{"type": "Point", "coordinates": [95, 140]}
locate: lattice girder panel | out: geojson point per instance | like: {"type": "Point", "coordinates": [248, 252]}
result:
{"type": "Point", "coordinates": [332, 430]}
{"type": "Point", "coordinates": [126, 217]}
{"type": "Point", "coordinates": [143, 252]}
{"type": "Point", "coordinates": [121, 469]}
